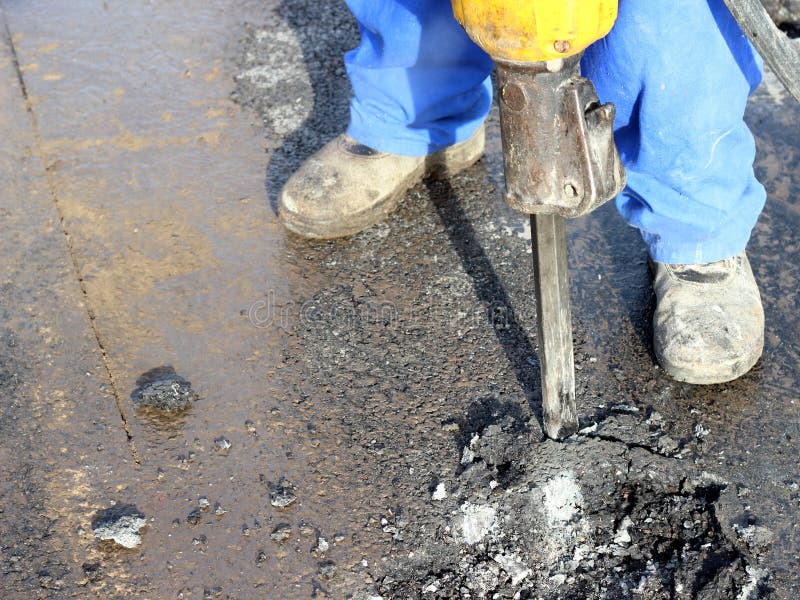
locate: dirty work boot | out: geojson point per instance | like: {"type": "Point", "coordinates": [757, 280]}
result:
{"type": "Point", "coordinates": [709, 324]}
{"type": "Point", "coordinates": [346, 187]}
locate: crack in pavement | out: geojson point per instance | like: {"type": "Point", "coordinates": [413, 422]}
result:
{"type": "Point", "coordinates": [67, 237]}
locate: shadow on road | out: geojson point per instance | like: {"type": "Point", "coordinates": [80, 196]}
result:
{"type": "Point", "coordinates": [490, 292]}
{"type": "Point", "coordinates": [324, 31]}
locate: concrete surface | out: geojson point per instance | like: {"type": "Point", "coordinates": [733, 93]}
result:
{"type": "Point", "coordinates": [339, 384]}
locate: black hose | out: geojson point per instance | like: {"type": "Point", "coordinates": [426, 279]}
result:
{"type": "Point", "coordinates": [775, 48]}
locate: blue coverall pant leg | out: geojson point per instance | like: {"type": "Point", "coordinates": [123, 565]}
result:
{"type": "Point", "coordinates": [679, 73]}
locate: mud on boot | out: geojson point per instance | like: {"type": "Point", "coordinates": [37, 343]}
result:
{"type": "Point", "coordinates": [346, 187]}
{"type": "Point", "coordinates": [708, 325]}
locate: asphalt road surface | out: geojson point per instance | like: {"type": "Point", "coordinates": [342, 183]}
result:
{"type": "Point", "coordinates": [357, 418]}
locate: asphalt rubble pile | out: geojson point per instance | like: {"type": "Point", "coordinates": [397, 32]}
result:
{"type": "Point", "coordinates": [614, 512]}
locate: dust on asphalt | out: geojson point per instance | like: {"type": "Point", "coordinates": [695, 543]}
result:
{"type": "Point", "coordinates": [421, 345]}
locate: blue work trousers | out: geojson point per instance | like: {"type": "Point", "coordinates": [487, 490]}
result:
{"type": "Point", "coordinates": [679, 73]}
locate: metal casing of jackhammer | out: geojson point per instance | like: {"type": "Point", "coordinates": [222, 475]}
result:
{"type": "Point", "coordinates": [535, 30]}
{"type": "Point", "coordinates": [558, 140]}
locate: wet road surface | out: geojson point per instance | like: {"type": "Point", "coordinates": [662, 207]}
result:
{"type": "Point", "coordinates": [338, 383]}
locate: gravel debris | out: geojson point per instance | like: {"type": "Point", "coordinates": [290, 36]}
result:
{"type": "Point", "coordinates": [282, 493]}
{"type": "Point", "coordinates": [282, 532]}
{"type": "Point", "coordinates": [222, 443]}
{"type": "Point", "coordinates": [640, 522]}
{"type": "Point", "coordinates": [327, 569]}
{"type": "Point", "coordinates": [194, 516]}
{"type": "Point", "coordinates": [440, 493]}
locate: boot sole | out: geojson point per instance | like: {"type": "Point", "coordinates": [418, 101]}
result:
{"type": "Point", "coordinates": [443, 164]}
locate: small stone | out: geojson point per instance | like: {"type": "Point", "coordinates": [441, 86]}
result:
{"type": "Point", "coordinates": [261, 557]}
{"type": "Point", "coordinates": [476, 521]}
{"type": "Point", "coordinates": [281, 494]}
{"type": "Point", "coordinates": [666, 445]}
{"type": "Point", "coordinates": [218, 510]}
{"type": "Point", "coordinates": [120, 523]}
{"type": "Point", "coordinates": [193, 518]}
{"type": "Point", "coordinates": [327, 569]}
{"type": "Point", "coordinates": [700, 431]}
{"type": "Point", "coordinates": [322, 544]}
{"type": "Point", "coordinates": [92, 571]}
{"type": "Point", "coordinates": [756, 537]}
{"type": "Point", "coordinates": [48, 582]}
{"type": "Point", "coordinates": [162, 388]}
{"type": "Point", "coordinates": [513, 565]}
{"type": "Point", "coordinates": [305, 529]}
{"type": "Point", "coordinates": [282, 532]}
{"type": "Point", "coordinates": [250, 426]}
{"type": "Point", "coordinates": [655, 419]}
{"type": "Point", "coordinates": [203, 503]}
{"type": "Point", "coordinates": [623, 537]}
{"type": "Point", "coordinates": [468, 455]}
{"type": "Point", "coordinates": [222, 443]}
{"type": "Point", "coordinates": [440, 493]}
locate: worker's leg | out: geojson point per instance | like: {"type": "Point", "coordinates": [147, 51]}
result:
{"type": "Point", "coordinates": [680, 73]}
{"type": "Point", "coordinates": [420, 84]}
{"type": "Point", "coordinates": [421, 92]}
